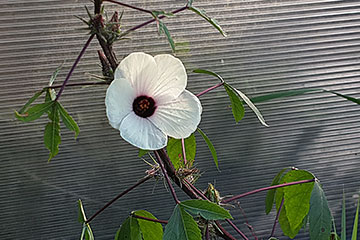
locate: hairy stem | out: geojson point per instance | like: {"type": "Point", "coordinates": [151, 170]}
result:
{"type": "Point", "coordinates": [209, 89]}
{"type": "Point", "coordinates": [166, 177]}
{"type": "Point", "coordinates": [129, 6]}
{"type": "Point", "coordinates": [265, 189]}
{"type": "Point", "coordinates": [277, 218]}
{"type": "Point", "coordinates": [150, 219]}
{"type": "Point", "coordinates": [141, 181]}
{"type": "Point", "coordinates": [74, 66]}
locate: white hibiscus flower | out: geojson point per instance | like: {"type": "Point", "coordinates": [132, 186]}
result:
{"type": "Point", "coordinates": [147, 101]}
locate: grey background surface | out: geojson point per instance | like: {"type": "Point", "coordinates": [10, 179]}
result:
{"type": "Point", "coordinates": [271, 45]}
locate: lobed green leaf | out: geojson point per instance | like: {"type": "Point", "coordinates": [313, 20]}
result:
{"type": "Point", "coordinates": [68, 120]}
{"type": "Point", "coordinates": [52, 137]}
{"type": "Point", "coordinates": [181, 226]}
{"type": "Point", "coordinates": [210, 146]}
{"type": "Point", "coordinates": [319, 215]}
{"type": "Point", "coordinates": [30, 101]}
{"type": "Point", "coordinates": [237, 107]}
{"type": "Point", "coordinates": [149, 230]}
{"type": "Point", "coordinates": [174, 150]}
{"type": "Point", "coordinates": [206, 209]}
{"type": "Point", "coordinates": [129, 230]}
{"type": "Point", "coordinates": [203, 14]}
{"type": "Point", "coordinates": [34, 112]}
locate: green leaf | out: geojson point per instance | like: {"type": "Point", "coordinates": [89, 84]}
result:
{"type": "Point", "coordinates": [30, 101]}
{"type": "Point", "coordinates": [189, 3]}
{"type": "Point", "coordinates": [52, 137]}
{"type": "Point", "coordinates": [356, 222]}
{"type": "Point", "coordinates": [282, 94]}
{"type": "Point", "coordinates": [165, 30]}
{"type": "Point", "coordinates": [334, 236]}
{"type": "Point", "coordinates": [203, 14]}
{"type": "Point", "coordinates": [203, 71]}
{"type": "Point", "coordinates": [142, 152]}
{"type": "Point", "coordinates": [150, 230]}
{"type": "Point", "coordinates": [129, 230]}
{"type": "Point", "coordinates": [237, 107]}
{"type": "Point", "coordinates": [81, 215]}
{"type": "Point", "coordinates": [270, 196]}
{"type": "Point", "coordinates": [251, 105]}
{"type": "Point", "coordinates": [34, 112]}
{"type": "Point", "coordinates": [355, 100]}
{"type": "Point", "coordinates": [296, 201]}
{"type": "Point", "coordinates": [343, 218]}
{"type": "Point", "coordinates": [206, 209]}
{"type": "Point", "coordinates": [181, 226]}
{"type": "Point", "coordinates": [68, 120]}
{"type": "Point", "coordinates": [54, 75]}
{"type": "Point", "coordinates": [319, 215]}
{"type": "Point", "coordinates": [210, 146]}
{"type": "Point", "coordinates": [174, 150]}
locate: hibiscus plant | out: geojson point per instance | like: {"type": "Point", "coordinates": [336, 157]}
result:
{"type": "Point", "coordinates": [148, 103]}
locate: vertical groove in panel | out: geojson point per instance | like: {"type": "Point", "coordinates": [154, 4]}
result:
{"type": "Point", "coordinates": [272, 45]}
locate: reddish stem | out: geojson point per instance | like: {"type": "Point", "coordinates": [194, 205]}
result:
{"type": "Point", "coordinates": [209, 89]}
{"type": "Point", "coordinates": [74, 66]}
{"type": "Point", "coordinates": [265, 189]}
{"type": "Point", "coordinates": [277, 218]}
{"type": "Point", "coordinates": [166, 177]}
{"type": "Point", "coordinates": [141, 181]}
{"type": "Point", "coordinates": [150, 219]}
{"type": "Point", "coordinates": [236, 229]}
{"type": "Point", "coordinates": [78, 84]}
{"type": "Point", "coordinates": [129, 6]}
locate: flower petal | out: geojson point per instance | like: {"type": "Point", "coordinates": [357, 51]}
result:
{"type": "Point", "coordinates": [171, 80]}
{"type": "Point", "coordinates": [179, 118]}
{"type": "Point", "coordinates": [140, 70]}
{"type": "Point", "coordinates": [141, 133]}
{"type": "Point", "coordinates": [119, 98]}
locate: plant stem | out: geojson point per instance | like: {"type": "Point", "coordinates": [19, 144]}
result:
{"type": "Point", "coordinates": [166, 177]}
{"type": "Point", "coordinates": [150, 21]}
{"type": "Point", "coordinates": [74, 66]}
{"type": "Point", "coordinates": [277, 217]}
{"type": "Point", "coordinates": [209, 89]}
{"type": "Point", "coordinates": [236, 229]}
{"type": "Point", "coordinates": [129, 6]}
{"type": "Point", "coordinates": [226, 235]}
{"type": "Point", "coordinates": [265, 189]}
{"type": "Point", "coordinates": [141, 181]}
{"type": "Point", "coordinates": [150, 219]}
{"type": "Point", "coordinates": [247, 222]}
{"type": "Point", "coordinates": [183, 150]}
{"type": "Point", "coordinates": [78, 84]}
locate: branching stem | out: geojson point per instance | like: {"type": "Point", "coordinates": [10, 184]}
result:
{"type": "Point", "coordinates": [74, 65]}
{"type": "Point", "coordinates": [166, 177]}
{"type": "Point", "coordinates": [141, 181]}
{"type": "Point", "coordinates": [265, 189]}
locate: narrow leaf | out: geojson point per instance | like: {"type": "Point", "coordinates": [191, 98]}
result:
{"type": "Point", "coordinates": [181, 226]}
{"type": "Point", "coordinates": [253, 107]}
{"type": "Point", "coordinates": [129, 230]}
{"type": "Point", "coordinates": [142, 152]}
{"type": "Point", "coordinates": [150, 230]}
{"type": "Point", "coordinates": [210, 146]}
{"type": "Point", "coordinates": [206, 209]}
{"type": "Point", "coordinates": [52, 137]}
{"type": "Point", "coordinates": [319, 215]}
{"type": "Point", "coordinates": [68, 120]}
{"type": "Point", "coordinates": [34, 112]}
{"type": "Point", "coordinates": [343, 218]}
{"type": "Point", "coordinates": [203, 14]}
{"type": "Point", "coordinates": [356, 222]}
{"type": "Point", "coordinates": [203, 71]}
{"type": "Point", "coordinates": [86, 230]}
{"type": "Point", "coordinates": [165, 30]}
{"type": "Point", "coordinates": [270, 196]}
{"type": "Point", "coordinates": [237, 107]}
{"type": "Point", "coordinates": [175, 152]}
{"type": "Point", "coordinates": [282, 94]}
{"type": "Point", "coordinates": [54, 75]}
{"type": "Point", "coordinates": [81, 214]}
{"type": "Point", "coordinates": [355, 100]}
{"type": "Point", "coordinates": [30, 101]}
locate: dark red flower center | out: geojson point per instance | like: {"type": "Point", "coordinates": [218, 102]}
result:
{"type": "Point", "coordinates": [144, 106]}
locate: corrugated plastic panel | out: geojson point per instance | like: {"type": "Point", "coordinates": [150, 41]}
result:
{"type": "Point", "coordinates": [272, 45]}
